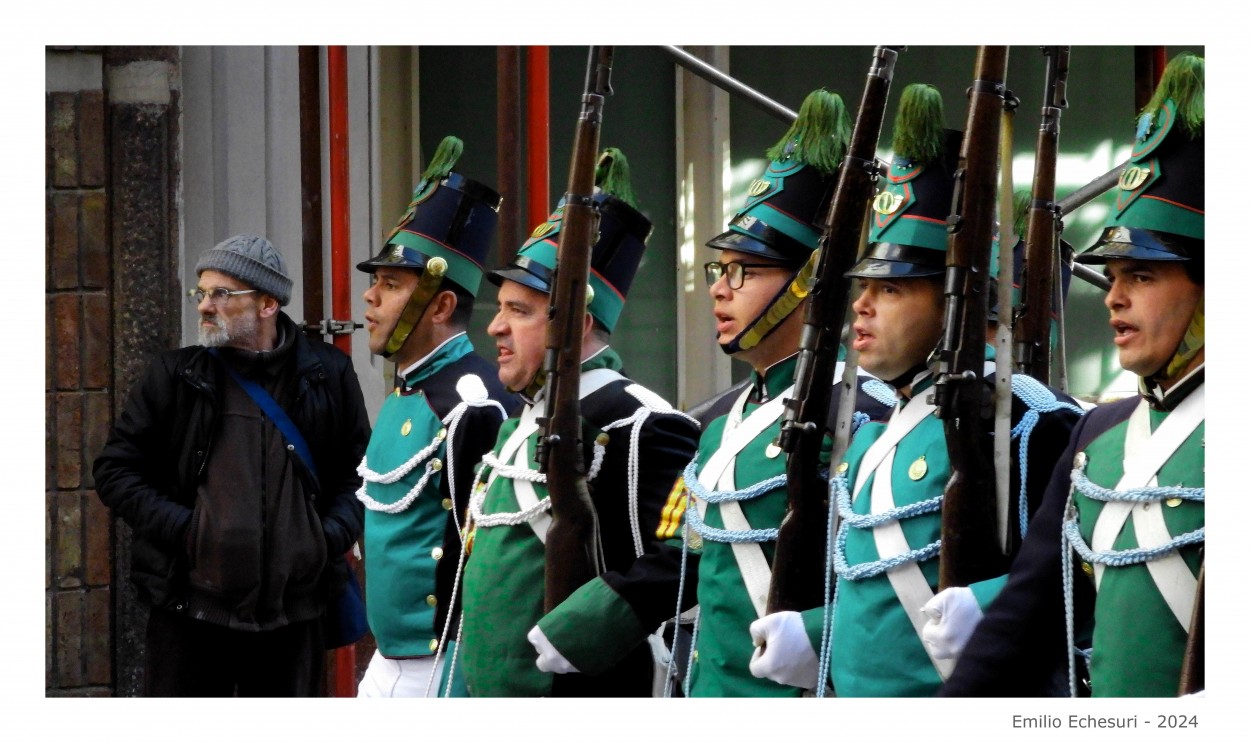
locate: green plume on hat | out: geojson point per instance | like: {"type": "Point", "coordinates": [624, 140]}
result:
{"type": "Point", "coordinates": [612, 176]}
{"type": "Point", "coordinates": [1020, 211]}
{"type": "Point", "coordinates": [1184, 82]}
{"type": "Point", "coordinates": [819, 136]}
{"type": "Point", "coordinates": [919, 126]}
{"type": "Point", "coordinates": [443, 161]}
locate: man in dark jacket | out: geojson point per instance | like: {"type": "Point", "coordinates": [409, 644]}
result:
{"type": "Point", "coordinates": [240, 522]}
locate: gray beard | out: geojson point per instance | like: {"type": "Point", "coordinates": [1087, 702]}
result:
{"type": "Point", "coordinates": [240, 334]}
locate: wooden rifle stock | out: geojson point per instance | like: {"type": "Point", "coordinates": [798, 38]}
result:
{"type": "Point", "coordinates": [1193, 666]}
{"type": "Point", "coordinates": [572, 538]}
{"type": "Point", "coordinates": [970, 549]}
{"type": "Point", "coordinates": [798, 576]}
{"type": "Point", "coordinates": [1032, 327]}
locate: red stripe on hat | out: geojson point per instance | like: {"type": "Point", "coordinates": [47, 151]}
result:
{"type": "Point", "coordinates": [1174, 203]}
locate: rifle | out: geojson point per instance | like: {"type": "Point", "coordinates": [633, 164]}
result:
{"type": "Point", "coordinates": [970, 549]}
{"type": "Point", "coordinates": [1032, 325]}
{"type": "Point", "coordinates": [572, 539]}
{"type": "Point", "coordinates": [799, 566]}
{"type": "Point", "coordinates": [1193, 666]}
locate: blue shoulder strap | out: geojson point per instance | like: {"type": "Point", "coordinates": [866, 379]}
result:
{"type": "Point", "coordinates": [271, 408]}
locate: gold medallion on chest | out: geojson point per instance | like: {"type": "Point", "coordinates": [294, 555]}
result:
{"type": "Point", "coordinates": [405, 429]}
{"type": "Point", "coordinates": [917, 469]}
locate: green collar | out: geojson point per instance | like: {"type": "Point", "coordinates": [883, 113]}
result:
{"type": "Point", "coordinates": [448, 352]}
{"type": "Point", "coordinates": [775, 379]}
{"type": "Point", "coordinates": [606, 358]}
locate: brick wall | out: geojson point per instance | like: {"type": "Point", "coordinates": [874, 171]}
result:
{"type": "Point", "coordinates": [78, 390]}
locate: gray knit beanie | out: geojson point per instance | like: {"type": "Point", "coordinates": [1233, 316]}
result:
{"type": "Point", "coordinates": [254, 261]}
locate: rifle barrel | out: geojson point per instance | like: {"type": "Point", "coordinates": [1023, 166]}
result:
{"type": "Point", "coordinates": [798, 565]}
{"type": "Point", "coordinates": [970, 549]}
{"type": "Point", "coordinates": [571, 545]}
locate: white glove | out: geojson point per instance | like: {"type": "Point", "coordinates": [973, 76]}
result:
{"type": "Point", "coordinates": [953, 615]}
{"type": "Point", "coordinates": [783, 653]}
{"type": "Point", "coordinates": [549, 659]}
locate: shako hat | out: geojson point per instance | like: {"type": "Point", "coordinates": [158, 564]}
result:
{"type": "Point", "coordinates": [450, 217]}
{"type": "Point", "coordinates": [1159, 209]}
{"type": "Point", "coordinates": [615, 256]}
{"type": "Point", "coordinates": [907, 235]}
{"type": "Point", "coordinates": [781, 219]}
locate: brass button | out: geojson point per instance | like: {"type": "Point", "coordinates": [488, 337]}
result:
{"type": "Point", "coordinates": [1080, 459]}
{"type": "Point", "coordinates": [436, 464]}
{"type": "Point", "coordinates": [772, 450]}
{"type": "Point", "coordinates": [843, 467]}
{"type": "Point", "coordinates": [434, 644]}
{"type": "Point", "coordinates": [1173, 502]}
{"type": "Point", "coordinates": [432, 600]}
{"type": "Point", "coordinates": [447, 504]}
{"type": "Point", "coordinates": [442, 434]}
{"type": "Point", "coordinates": [406, 429]}
{"type": "Point", "coordinates": [437, 553]}
{"type": "Point", "coordinates": [1089, 569]}
{"type": "Point", "coordinates": [602, 439]}
{"type": "Point", "coordinates": [917, 469]}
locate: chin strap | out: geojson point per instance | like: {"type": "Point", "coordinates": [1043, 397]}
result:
{"type": "Point", "coordinates": [909, 377]}
{"type": "Point", "coordinates": [427, 286]}
{"type": "Point", "coordinates": [784, 303]}
{"type": "Point", "coordinates": [1191, 343]}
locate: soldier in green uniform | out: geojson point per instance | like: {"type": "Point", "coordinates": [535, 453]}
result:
{"type": "Point", "coordinates": [635, 446]}
{"type": "Point", "coordinates": [733, 495]}
{"type": "Point", "coordinates": [888, 489]}
{"type": "Point", "coordinates": [1119, 539]}
{"type": "Point", "coordinates": [443, 415]}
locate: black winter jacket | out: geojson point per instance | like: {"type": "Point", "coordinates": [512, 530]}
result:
{"type": "Point", "coordinates": [153, 461]}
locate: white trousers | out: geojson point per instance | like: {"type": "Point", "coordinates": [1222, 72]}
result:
{"type": "Point", "coordinates": [407, 677]}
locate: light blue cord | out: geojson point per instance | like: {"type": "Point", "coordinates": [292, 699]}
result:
{"type": "Point", "coordinates": [880, 391]}
{"type": "Point", "coordinates": [1071, 540]}
{"type": "Point", "coordinates": [728, 536]}
{"type": "Point", "coordinates": [826, 626]}
{"type": "Point", "coordinates": [723, 496]}
{"type": "Point", "coordinates": [850, 520]}
{"type": "Point", "coordinates": [1039, 399]}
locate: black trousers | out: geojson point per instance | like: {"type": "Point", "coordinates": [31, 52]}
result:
{"type": "Point", "coordinates": [188, 657]}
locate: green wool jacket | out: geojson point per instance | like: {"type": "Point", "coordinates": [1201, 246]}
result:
{"type": "Point", "coordinates": [1138, 643]}
{"type": "Point", "coordinates": [503, 578]}
{"type": "Point", "coordinates": [410, 534]}
{"type": "Point", "coordinates": [876, 650]}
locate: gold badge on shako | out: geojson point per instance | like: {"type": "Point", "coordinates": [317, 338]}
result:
{"type": "Point", "coordinates": [887, 202]}
{"type": "Point", "coordinates": [917, 469]}
{"type": "Point", "coordinates": [1133, 177]}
